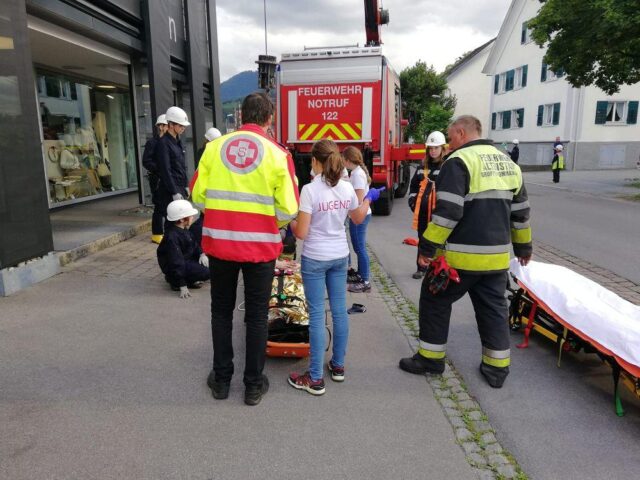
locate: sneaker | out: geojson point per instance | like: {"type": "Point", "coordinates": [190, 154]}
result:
{"type": "Point", "coordinates": [219, 390]}
{"type": "Point", "coordinates": [304, 382]}
{"type": "Point", "coordinates": [360, 287]}
{"type": "Point", "coordinates": [337, 373]}
{"type": "Point", "coordinates": [419, 274]}
{"type": "Point", "coordinates": [353, 276]}
{"type": "Point", "coordinates": [253, 394]}
{"type": "Point", "coordinates": [419, 365]}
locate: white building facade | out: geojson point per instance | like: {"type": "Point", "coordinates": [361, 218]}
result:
{"type": "Point", "coordinates": [530, 102]}
{"type": "Point", "coordinates": [466, 80]}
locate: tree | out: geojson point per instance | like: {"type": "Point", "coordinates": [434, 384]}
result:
{"type": "Point", "coordinates": [426, 104]}
{"type": "Point", "coordinates": [593, 41]}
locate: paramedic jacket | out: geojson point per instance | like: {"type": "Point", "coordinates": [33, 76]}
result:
{"type": "Point", "coordinates": [171, 166]}
{"type": "Point", "coordinates": [178, 255]}
{"type": "Point", "coordinates": [481, 210]}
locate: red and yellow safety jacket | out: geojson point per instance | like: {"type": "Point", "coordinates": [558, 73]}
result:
{"type": "Point", "coordinates": [247, 185]}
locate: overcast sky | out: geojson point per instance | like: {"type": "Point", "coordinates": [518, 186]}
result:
{"type": "Point", "coordinates": [435, 31]}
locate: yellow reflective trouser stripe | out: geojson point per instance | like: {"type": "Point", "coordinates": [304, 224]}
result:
{"type": "Point", "coordinates": [480, 262]}
{"type": "Point", "coordinates": [431, 354]}
{"type": "Point", "coordinates": [239, 206]}
{"type": "Point", "coordinates": [436, 233]}
{"type": "Point", "coordinates": [496, 362]}
{"type": "Point", "coordinates": [521, 236]}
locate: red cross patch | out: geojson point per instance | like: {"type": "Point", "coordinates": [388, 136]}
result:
{"type": "Point", "coordinates": [242, 154]}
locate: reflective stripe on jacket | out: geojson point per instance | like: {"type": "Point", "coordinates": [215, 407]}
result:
{"type": "Point", "coordinates": [247, 186]}
{"type": "Point", "coordinates": [481, 210]}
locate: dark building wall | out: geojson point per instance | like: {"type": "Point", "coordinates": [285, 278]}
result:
{"type": "Point", "coordinates": [25, 230]}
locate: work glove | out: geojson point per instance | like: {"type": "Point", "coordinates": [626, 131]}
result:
{"type": "Point", "coordinates": [374, 194]}
{"type": "Point", "coordinates": [177, 196]}
{"type": "Point", "coordinates": [184, 292]}
{"type": "Point", "coordinates": [204, 260]}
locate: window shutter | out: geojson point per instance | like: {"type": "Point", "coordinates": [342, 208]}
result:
{"type": "Point", "coordinates": [632, 114]}
{"type": "Point", "coordinates": [540, 114]}
{"type": "Point", "coordinates": [523, 35]}
{"type": "Point", "coordinates": [510, 77]}
{"type": "Point", "coordinates": [556, 113]}
{"type": "Point", "coordinates": [496, 83]}
{"type": "Point", "coordinates": [543, 73]}
{"type": "Point", "coordinates": [520, 117]}
{"type": "Point", "coordinates": [524, 75]}
{"type": "Point", "coordinates": [493, 121]}
{"type": "Point", "coordinates": [601, 113]}
{"type": "Point", "coordinates": [560, 72]}
{"type": "Point", "coordinates": [506, 119]}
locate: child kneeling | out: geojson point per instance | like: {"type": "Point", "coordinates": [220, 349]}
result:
{"type": "Point", "coordinates": [179, 255]}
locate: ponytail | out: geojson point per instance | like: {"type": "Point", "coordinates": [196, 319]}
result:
{"type": "Point", "coordinates": [327, 154]}
{"type": "Point", "coordinates": [354, 155]}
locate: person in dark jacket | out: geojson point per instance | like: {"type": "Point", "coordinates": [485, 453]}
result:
{"type": "Point", "coordinates": [515, 151]}
{"type": "Point", "coordinates": [179, 255]}
{"type": "Point", "coordinates": [420, 190]}
{"type": "Point", "coordinates": [149, 162]}
{"type": "Point", "coordinates": [209, 136]}
{"type": "Point", "coordinates": [170, 161]}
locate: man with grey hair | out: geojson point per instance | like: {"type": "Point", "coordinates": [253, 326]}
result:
{"type": "Point", "coordinates": [481, 211]}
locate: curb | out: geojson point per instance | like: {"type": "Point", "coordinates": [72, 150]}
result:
{"type": "Point", "coordinates": [470, 424]}
{"type": "Point", "coordinates": [100, 244]}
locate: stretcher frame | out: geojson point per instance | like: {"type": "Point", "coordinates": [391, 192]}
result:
{"type": "Point", "coordinates": [531, 313]}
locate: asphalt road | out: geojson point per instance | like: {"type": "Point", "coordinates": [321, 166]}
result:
{"type": "Point", "coordinates": [558, 422]}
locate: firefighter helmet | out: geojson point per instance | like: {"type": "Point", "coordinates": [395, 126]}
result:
{"type": "Point", "coordinates": [212, 134]}
{"type": "Point", "coordinates": [177, 115]}
{"type": "Point", "coordinates": [436, 139]}
{"type": "Point", "coordinates": [179, 209]}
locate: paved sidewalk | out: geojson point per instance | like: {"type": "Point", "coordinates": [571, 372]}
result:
{"type": "Point", "coordinates": [102, 375]}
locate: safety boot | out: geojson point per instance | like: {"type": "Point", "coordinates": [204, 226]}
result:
{"type": "Point", "coordinates": [156, 238]}
{"type": "Point", "coordinates": [420, 365]}
{"type": "Point", "coordinates": [254, 393]}
{"type": "Point", "coordinates": [219, 390]}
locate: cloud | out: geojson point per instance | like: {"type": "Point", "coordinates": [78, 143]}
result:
{"type": "Point", "coordinates": [434, 31]}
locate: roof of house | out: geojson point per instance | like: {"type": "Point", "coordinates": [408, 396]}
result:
{"type": "Point", "coordinates": [458, 64]}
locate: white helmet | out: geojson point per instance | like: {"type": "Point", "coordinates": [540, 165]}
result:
{"type": "Point", "coordinates": [559, 148]}
{"type": "Point", "coordinates": [212, 134]}
{"type": "Point", "coordinates": [162, 120]}
{"type": "Point", "coordinates": [436, 139]}
{"type": "Point", "coordinates": [516, 141]}
{"type": "Point", "coordinates": [177, 115]}
{"type": "Point", "coordinates": [179, 209]}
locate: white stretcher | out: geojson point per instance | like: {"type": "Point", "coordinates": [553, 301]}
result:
{"type": "Point", "coordinates": [578, 313]}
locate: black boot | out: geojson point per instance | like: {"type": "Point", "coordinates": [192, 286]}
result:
{"type": "Point", "coordinates": [420, 365]}
{"type": "Point", "coordinates": [254, 393]}
{"type": "Point", "coordinates": [494, 376]}
{"type": "Point", "coordinates": [219, 390]}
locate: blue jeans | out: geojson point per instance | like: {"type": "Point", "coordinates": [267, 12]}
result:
{"type": "Point", "coordinates": [359, 241]}
{"type": "Point", "coordinates": [316, 275]}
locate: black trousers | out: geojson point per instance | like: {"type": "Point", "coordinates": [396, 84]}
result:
{"type": "Point", "coordinates": [487, 293]}
{"type": "Point", "coordinates": [556, 175]}
{"type": "Point", "coordinates": [258, 278]}
{"type": "Point", "coordinates": [194, 272]}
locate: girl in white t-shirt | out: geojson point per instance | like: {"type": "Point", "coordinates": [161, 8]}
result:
{"type": "Point", "coordinates": [325, 203]}
{"type": "Point", "coordinates": [358, 231]}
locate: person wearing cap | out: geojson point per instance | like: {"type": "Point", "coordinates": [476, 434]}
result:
{"type": "Point", "coordinates": [515, 151]}
{"type": "Point", "coordinates": [209, 136]}
{"type": "Point", "coordinates": [421, 199]}
{"type": "Point", "coordinates": [557, 163]}
{"type": "Point", "coordinates": [148, 162]}
{"type": "Point", "coordinates": [170, 160]}
{"type": "Point", "coordinates": [179, 256]}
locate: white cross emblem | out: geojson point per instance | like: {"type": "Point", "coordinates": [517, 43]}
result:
{"type": "Point", "coordinates": [242, 153]}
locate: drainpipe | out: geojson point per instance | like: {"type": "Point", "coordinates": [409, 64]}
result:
{"type": "Point", "coordinates": [577, 126]}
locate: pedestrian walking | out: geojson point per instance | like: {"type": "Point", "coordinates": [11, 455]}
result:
{"type": "Point", "coordinates": [557, 162]}
{"type": "Point", "coordinates": [360, 181]}
{"type": "Point", "coordinates": [149, 162]}
{"type": "Point", "coordinates": [515, 151]}
{"type": "Point", "coordinates": [170, 161]}
{"type": "Point", "coordinates": [422, 187]}
{"type": "Point", "coordinates": [325, 203]}
{"type": "Point", "coordinates": [179, 255]}
{"type": "Point", "coordinates": [481, 210]}
{"type": "Point", "coordinates": [247, 186]}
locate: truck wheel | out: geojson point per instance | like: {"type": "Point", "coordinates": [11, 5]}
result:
{"type": "Point", "coordinates": [384, 205]}
{"type": "Point", "coordinates": [405, 180]}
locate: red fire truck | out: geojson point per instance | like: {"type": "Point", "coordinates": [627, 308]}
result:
{"type": "Point", "coordinates": [352, 96]}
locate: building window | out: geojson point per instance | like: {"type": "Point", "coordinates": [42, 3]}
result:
{"type": "Point", "coordinates": [548, 75]}
{"type": "Point", "coordinates": [518, 118]}
{"type": "Point", "coordinates": [507, 119]}
{"type": "Point", "coordinates": [525, 36]}
{"type": "Point", "coordinates": [521, 77]}
{"type": "Point", "coordinates": [88, 144]}
{"type": "Point", "coordinates": [548, 114]}
{"type": "Point", "coordinates": [503, 82]}
{"type": "Point", "coordinates": [510, 80]}
{"type": "Point", "coordinates": [617, 113]}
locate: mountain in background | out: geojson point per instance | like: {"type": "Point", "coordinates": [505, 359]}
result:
{"type": "Point", "coordinates": [239, 86]}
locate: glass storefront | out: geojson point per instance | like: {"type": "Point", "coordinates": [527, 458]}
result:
{"type": "Point", "coordinates": [88, 137]}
